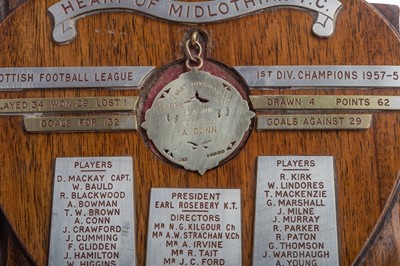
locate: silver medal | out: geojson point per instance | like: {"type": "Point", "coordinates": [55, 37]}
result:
{"type": "Point", "coordinates": [197, 120]}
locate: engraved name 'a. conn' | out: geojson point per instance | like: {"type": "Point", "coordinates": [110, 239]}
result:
{"type": "Point", "coordinates": [65, 12]}
{"type": "Point", "coordinates": [92, 215]}
{"type": "Point", "coordinates": [197, 120]}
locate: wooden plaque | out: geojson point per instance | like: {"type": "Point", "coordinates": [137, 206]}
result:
{"type": "Point", "coordinates": [367, 162]}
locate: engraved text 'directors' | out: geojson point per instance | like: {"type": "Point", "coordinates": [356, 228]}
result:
{"type": "Point", "coordinates": [194, 227]}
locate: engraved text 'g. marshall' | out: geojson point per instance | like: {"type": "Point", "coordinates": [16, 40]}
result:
{"type": "Point", "coordinates": [66, 11]}
{"type": "Point", "coordinates": [296, 217]}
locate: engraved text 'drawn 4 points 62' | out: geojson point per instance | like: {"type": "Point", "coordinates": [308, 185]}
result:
{"type": "Point", "coordinates": [197, 120]}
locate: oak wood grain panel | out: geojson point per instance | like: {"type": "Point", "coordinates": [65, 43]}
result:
{"type": "Point", "coordinates": [366, 161]}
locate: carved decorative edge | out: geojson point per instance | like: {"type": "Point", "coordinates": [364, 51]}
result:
{"type": "Point", "coordinates": [381, 227]}
{"type": "Point", "coordinates": [8, 234]}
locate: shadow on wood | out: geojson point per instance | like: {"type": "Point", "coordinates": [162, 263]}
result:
{"type": "Point", "coordinates": [11, 250]}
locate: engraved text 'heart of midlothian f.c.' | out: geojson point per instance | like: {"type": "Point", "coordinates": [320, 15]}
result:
{"type": "Point", "coordinates": [65, 12]}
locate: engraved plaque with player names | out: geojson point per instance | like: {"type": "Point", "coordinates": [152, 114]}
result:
{"type": "Point", "coordinates": [92, 217]}
{"type": "Point", "coordinates": [296, 222]}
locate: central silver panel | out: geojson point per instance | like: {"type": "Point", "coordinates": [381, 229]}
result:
{"type": "Point", "coordinates": [92, 218]}
{"type": "Point", "coordinates": [296, 220]}
{"type": "Point", "coordinates": [198, 120]}
{"type": "Point", "coordinates": [194, 227]}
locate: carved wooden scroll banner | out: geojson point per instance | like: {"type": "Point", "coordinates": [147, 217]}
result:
{"type": "Point", "coordinates": [197, 132]}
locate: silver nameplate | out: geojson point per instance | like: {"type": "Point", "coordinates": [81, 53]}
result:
{"type": "Point", "coordinates": [72, 77]}
{"type": "Point", "coordinates": [194, 227]}
{"type": "Point", "coordinates": [95, 123]}
{"type": "Point", "coordinates": [314, 122]}
{"type": "Point", "coordinates": [321, 76]}
{"type": "Point", "coordinates": [296, 219]}
{"type": "Point", "coordinates": [68, 104]}
{"type": "Point", "coordinates": [65, 12]}
{"type": "Point", "coordinates": [93, 215]}
{"type": "Point", "coordinates": [325, 102]}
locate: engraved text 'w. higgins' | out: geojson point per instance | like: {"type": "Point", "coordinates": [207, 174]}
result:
{"type": "Point", "coordinates": [65, 11]}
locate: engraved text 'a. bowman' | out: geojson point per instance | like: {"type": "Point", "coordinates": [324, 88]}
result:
{"type": "Point", "coordinates": [66, 11]}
